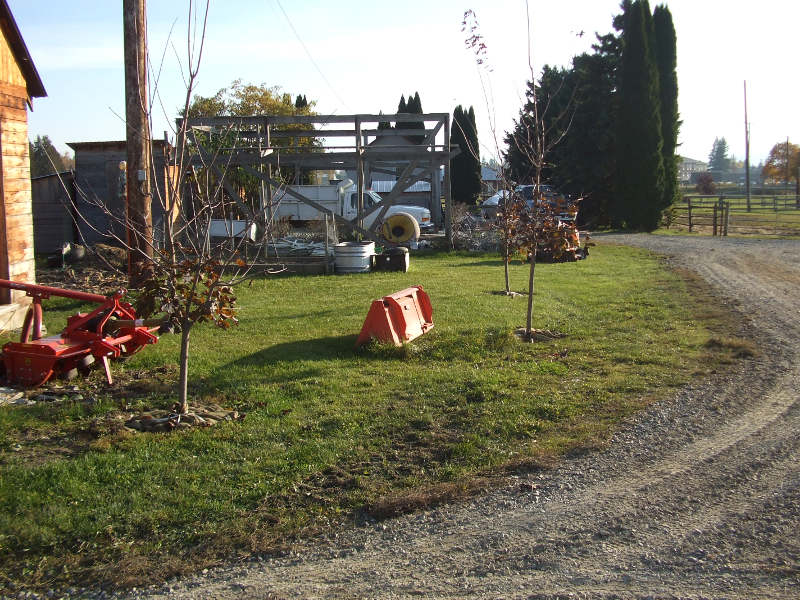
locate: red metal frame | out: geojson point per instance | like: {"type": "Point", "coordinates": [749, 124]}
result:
{"type": "Point", "coordinates": [34, 359]}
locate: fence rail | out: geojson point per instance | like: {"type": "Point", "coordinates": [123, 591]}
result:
{"type": "Point", "coordinates": [777, 215]}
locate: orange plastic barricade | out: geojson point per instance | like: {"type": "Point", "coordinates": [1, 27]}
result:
{"type": "Point", "coordinates": [398, 317]}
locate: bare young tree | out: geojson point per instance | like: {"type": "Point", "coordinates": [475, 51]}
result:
{"type": "Point", "coordinates": [538, 224]}
{"type": "Point", "coordinates": [192, 273]}
{"type": "Point", "coordinates": [509, 206]}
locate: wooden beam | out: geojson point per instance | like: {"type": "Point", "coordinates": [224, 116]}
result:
{"type": "Point", "coordinates": [325, 160]}
{"type": "Point", "coordinates": [311, 119]}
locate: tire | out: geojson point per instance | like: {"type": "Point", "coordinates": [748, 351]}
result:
{"type": "Point", "coordinates": [400, 227]}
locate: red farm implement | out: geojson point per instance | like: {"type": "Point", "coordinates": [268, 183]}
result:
{"type": "Point", "coordinates": [111, 331]}
{"type": "Point", "coordinates": [398, 318]}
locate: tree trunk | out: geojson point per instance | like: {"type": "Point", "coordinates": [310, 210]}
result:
{"type": "Point", "coordinates": [530, 293]}
{"type": "Point", "coordinates": [183, 381]}
{"type": "Point", "coordinates": [505, 266]}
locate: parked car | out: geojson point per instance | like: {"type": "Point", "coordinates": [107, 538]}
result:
{"type": "Point", "coordinates": [493, 203]}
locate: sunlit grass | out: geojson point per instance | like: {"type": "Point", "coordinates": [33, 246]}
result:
{"type": "Point", "coordinates": [332, 431]}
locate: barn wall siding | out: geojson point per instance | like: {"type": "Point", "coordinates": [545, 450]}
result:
{"type": "Point", "coordinates": [16, 214]}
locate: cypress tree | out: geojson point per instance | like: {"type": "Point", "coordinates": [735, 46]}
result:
{"type": "Point", "coordinates": [414, 106]}
{"type": "Point", "coordinates": [466, 167]}
{"type": "Point", "coordinates": [640, 164]}
{"type": "Point", "coordinates": [666, 54]}
{"type": "Point", "coordinates": [401, 106]}
{"type": "Point", "coordinates": [474, 173]}
{"type": "Point", "coordinates": [300, 102]}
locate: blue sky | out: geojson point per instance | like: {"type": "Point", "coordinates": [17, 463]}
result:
{"type": "Point", "coordinates": [359, 56]}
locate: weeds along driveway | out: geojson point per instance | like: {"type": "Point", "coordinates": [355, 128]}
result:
{"type": "Point", "coordinates": [698, 496]}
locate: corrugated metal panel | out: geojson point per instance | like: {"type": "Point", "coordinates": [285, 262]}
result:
{"type": "Point", "coordinates": [384, 187]}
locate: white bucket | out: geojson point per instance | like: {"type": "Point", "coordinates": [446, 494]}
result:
{"type": "Point", "coordinates": [353, 257]}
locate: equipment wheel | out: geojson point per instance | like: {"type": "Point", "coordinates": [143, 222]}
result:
{"type": "Point", "coordinates": [400, 227]}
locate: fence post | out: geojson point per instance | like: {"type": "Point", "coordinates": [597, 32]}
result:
{"type": "Point", "coordinates": [775, 203]}
{"type": "Point", "coordinates": [726, 218]}
{"type": "Point", "coordinates": [327, 247]}
{"type": "Point", "coordinates": [714, 227]}
{"type": "Point", "coordinates": [689, 207]}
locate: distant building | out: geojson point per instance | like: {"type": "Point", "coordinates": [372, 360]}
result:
{"type": "Point", "coordinates": [688, 166]}
{"type": "Point", "coordinates": [98, 180]}
{"type": "Point", "coordinates": [490, 181]}
{"type": "Point", "coordinates": [20, 84]}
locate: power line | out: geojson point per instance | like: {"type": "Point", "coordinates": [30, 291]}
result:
{"type": "Point", "coordinates": [311, 58]}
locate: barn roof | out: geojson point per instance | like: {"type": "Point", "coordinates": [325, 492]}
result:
{"type": "Point", "coordinates": [23, 57]}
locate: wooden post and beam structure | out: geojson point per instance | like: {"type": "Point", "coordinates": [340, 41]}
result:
{"type": "Point", "coordinates": [267, 141]}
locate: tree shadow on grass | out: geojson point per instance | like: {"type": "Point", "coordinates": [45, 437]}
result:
{"type": "Point", "coordinates": [481, 263]}
{"type": "Point", "coordinates": [292, 358]}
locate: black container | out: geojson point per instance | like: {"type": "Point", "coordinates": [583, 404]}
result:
{"type": "Point", "coordinates": [392, 259]}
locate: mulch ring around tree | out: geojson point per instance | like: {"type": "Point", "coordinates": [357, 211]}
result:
{"type": "Point", "coordinates": [170, 420]}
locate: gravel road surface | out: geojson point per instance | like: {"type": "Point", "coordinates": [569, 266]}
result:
{"type": "Point", "coordinates": [698, 497]}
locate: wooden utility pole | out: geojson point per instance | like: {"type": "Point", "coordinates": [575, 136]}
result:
{"type": "Point", "coordinates": [139, 220]}
{"type": "Point", "coordinates": [746, 149]}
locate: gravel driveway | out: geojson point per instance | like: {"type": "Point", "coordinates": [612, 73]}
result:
{"type": "Point", "coordinates": [699, 497]}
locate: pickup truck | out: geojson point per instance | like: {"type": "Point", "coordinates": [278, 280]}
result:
{"type": "Point", "coordinates": [342, 199]}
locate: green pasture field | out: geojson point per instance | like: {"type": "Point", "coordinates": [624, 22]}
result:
{"type": "Point", "coordinates": [334, 435]}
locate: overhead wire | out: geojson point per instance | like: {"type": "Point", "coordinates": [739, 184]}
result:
{"type": "Point", "coordinates": [311, 58]}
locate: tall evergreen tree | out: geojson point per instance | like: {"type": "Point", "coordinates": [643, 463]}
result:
{"type": "Point", "coordinates": [585, 162]}
{"type": "Point", "coordinates": [718, 159]}
{"type": "Point", "coordinates": [414, 106]}
{"type": "Point", "coordinates": [554, 96]}
{"type": "Point", "coordinates": [401, 106]}
{"type": "Point", "coordinates": [666, 54]}
{"type": "Point", "coordinates": [465, 174]}
{"type": "Point", "coordinates": [640, 164]}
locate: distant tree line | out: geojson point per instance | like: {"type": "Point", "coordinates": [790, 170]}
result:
{"type": "Point", "coordinates": [45, 159]}
{"type": "Point", "coordinates": [617, 110]}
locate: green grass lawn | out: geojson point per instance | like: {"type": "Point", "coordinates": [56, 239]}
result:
{"type": "Point", "coordinates": [331, 433]}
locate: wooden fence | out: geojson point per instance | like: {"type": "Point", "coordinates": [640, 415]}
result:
{"type": "Point", "coordinates": [777, 215]}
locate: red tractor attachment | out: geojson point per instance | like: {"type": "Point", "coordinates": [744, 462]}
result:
{"type": "Point", "coordinates": [398, 318]}
{"type": "Point", "coordinates": [110, 331]}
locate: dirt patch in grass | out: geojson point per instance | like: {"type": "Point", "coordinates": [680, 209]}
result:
{"type": "Point", "coordinates": [67, 419]}
{"type": "Point", "coordinates": [733, 346]}
{"type": "Point", "coordinates": [101, 271]}
{"type": "Point", "coordinates": [426, 497]}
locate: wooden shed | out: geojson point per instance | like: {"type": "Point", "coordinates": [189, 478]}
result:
{"type": "Point", "coordinates": [97, 181]}
{"type": "Point", "coordinates": [19, 84]}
